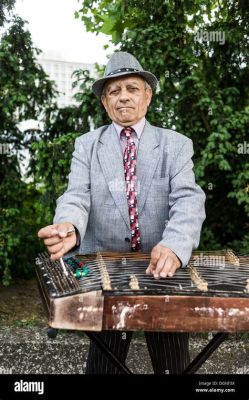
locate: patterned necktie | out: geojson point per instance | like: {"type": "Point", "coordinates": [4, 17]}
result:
{"type": "Point", "coordinates": [130, 160]}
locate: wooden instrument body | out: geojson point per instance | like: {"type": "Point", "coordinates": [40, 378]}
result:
{"type": "Point", "coordinates": [101, 310]}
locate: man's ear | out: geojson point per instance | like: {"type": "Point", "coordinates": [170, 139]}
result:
{"type": "Point", "coordinates": [103, 100]}
{"type": "Point", "coordinates": [148, 96]}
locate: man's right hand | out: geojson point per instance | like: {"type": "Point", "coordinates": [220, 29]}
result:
{"type": "Point", "coordinates": [57, 239]}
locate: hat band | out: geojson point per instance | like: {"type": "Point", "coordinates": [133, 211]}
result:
{"type": "Point", "coordinates": [123, 70]}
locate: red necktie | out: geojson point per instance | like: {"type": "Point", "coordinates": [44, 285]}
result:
{"type": "Point", "coordinates": [130, 160]}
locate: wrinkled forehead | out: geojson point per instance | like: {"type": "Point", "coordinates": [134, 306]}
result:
{"type": "Point", "coordinates": [124, 81]}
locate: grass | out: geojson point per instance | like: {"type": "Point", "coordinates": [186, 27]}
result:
{"type": "Point", "coordinates": [26, 323]}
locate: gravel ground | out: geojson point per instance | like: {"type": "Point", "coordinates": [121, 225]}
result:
{"type": "Point", "coordinates": [30, 351]}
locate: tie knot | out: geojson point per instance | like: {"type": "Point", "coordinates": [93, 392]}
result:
{"type": "Point", "coordinates": [127, 132]}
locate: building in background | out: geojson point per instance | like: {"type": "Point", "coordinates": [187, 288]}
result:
{"type": "Point", "coordinates": [60, 71]}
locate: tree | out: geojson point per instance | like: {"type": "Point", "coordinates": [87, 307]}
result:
{"type": "Point", "coordinates": [6, 7]}
{"type": "Point", "coordinates": [25, 93]}
{"type": "Point", "coordinates": [199, 51]}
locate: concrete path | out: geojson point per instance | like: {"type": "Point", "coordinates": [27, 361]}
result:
{"type": "Point", "coordinates": [30, 351]}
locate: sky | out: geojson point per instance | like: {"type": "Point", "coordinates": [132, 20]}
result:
{"type": "Point", "coordinates": [55, 30]}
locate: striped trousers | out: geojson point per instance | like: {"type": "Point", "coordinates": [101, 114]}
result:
{"type": "Point", "coordinates": [169, 352]}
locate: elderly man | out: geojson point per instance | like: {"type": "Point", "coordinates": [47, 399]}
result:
{"type": "Point", "coordinates": [131, 187]}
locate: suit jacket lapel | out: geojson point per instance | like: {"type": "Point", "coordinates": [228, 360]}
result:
{"type": "Point", "coordinates": [147, 160]}
{"type": "Point", "coordinates": [111, 161]}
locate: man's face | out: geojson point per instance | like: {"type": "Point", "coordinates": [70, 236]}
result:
{"type": "Point", "coordinates": [126, 99]}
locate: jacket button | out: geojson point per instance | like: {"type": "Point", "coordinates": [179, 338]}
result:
{"type": "Point", "coordinates": [127, 240]}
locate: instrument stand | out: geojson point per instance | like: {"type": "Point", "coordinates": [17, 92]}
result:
{"type": "Point", "coordinates": [197, 362]}
{"type": "Point", "coordinates": [109, 354]}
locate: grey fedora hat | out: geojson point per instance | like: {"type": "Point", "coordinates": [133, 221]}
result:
{"type": "Point", "coordinates": [120, 64]}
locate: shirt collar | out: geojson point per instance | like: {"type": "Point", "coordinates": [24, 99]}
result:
{"type": "Point", "coordinates": [138, 127]}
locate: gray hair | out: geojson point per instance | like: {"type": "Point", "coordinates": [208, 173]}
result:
{"type": "Point", "coordinates": [147, 85]}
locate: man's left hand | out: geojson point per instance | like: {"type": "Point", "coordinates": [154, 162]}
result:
{"type": "Point", "coordinates": [163, 262]}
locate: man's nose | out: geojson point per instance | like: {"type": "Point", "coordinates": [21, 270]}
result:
{"type": "Point", "coordinates": [124, 96]}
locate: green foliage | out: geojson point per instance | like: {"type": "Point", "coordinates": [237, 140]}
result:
{"type": "Point", "coordinates": [18, 244]}
{"type": "Point", "coordinates": [33, 321]}
{"type": "Point", "coordinates": [52, 166]}
{"type": "Point", "coordinates": [5, 7]}
{"type": "Point", "coordinates": [89, 104]}
{"type": "Point", "coordinates": [24, 87]}
{"type": "Point", "coordinates": [199, 52]}
{"type": "Point", "coordinates": [104, 16]}
{"type": "Point", "coordinates": [25, 93]}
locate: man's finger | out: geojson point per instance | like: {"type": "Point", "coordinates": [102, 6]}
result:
{"type": "Point", "coordinates": [167, 268]}
{"type": "Point", "coordinates": [58, 255]}
{"type": "Point", "coordinates": [48, 231]}
{"type": "Point", "coordinates": [62, 233]}
{"type": "Point", "coordinates": [149, 269]}
{"type": "Point", "coordinates": [155, 255]}
{"type": "Point", "coordinates": [66, 230]}
{"type": "Point", "coordinates": [55, 248]}
{"type": "Point", "coordinates": [53, 240]}
{"type": "Point", "coordinates": [160, 265]}
{"type": "Point", "coordinates": [173, 270]}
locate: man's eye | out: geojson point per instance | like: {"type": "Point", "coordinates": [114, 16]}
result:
{"type": "Point", "coordinates": [114, 92]}
{"type": "Point", "coordinates": [133, 88]}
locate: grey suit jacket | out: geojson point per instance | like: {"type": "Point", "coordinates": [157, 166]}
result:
{"type": "Point", "coordinates": [170, 204]}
